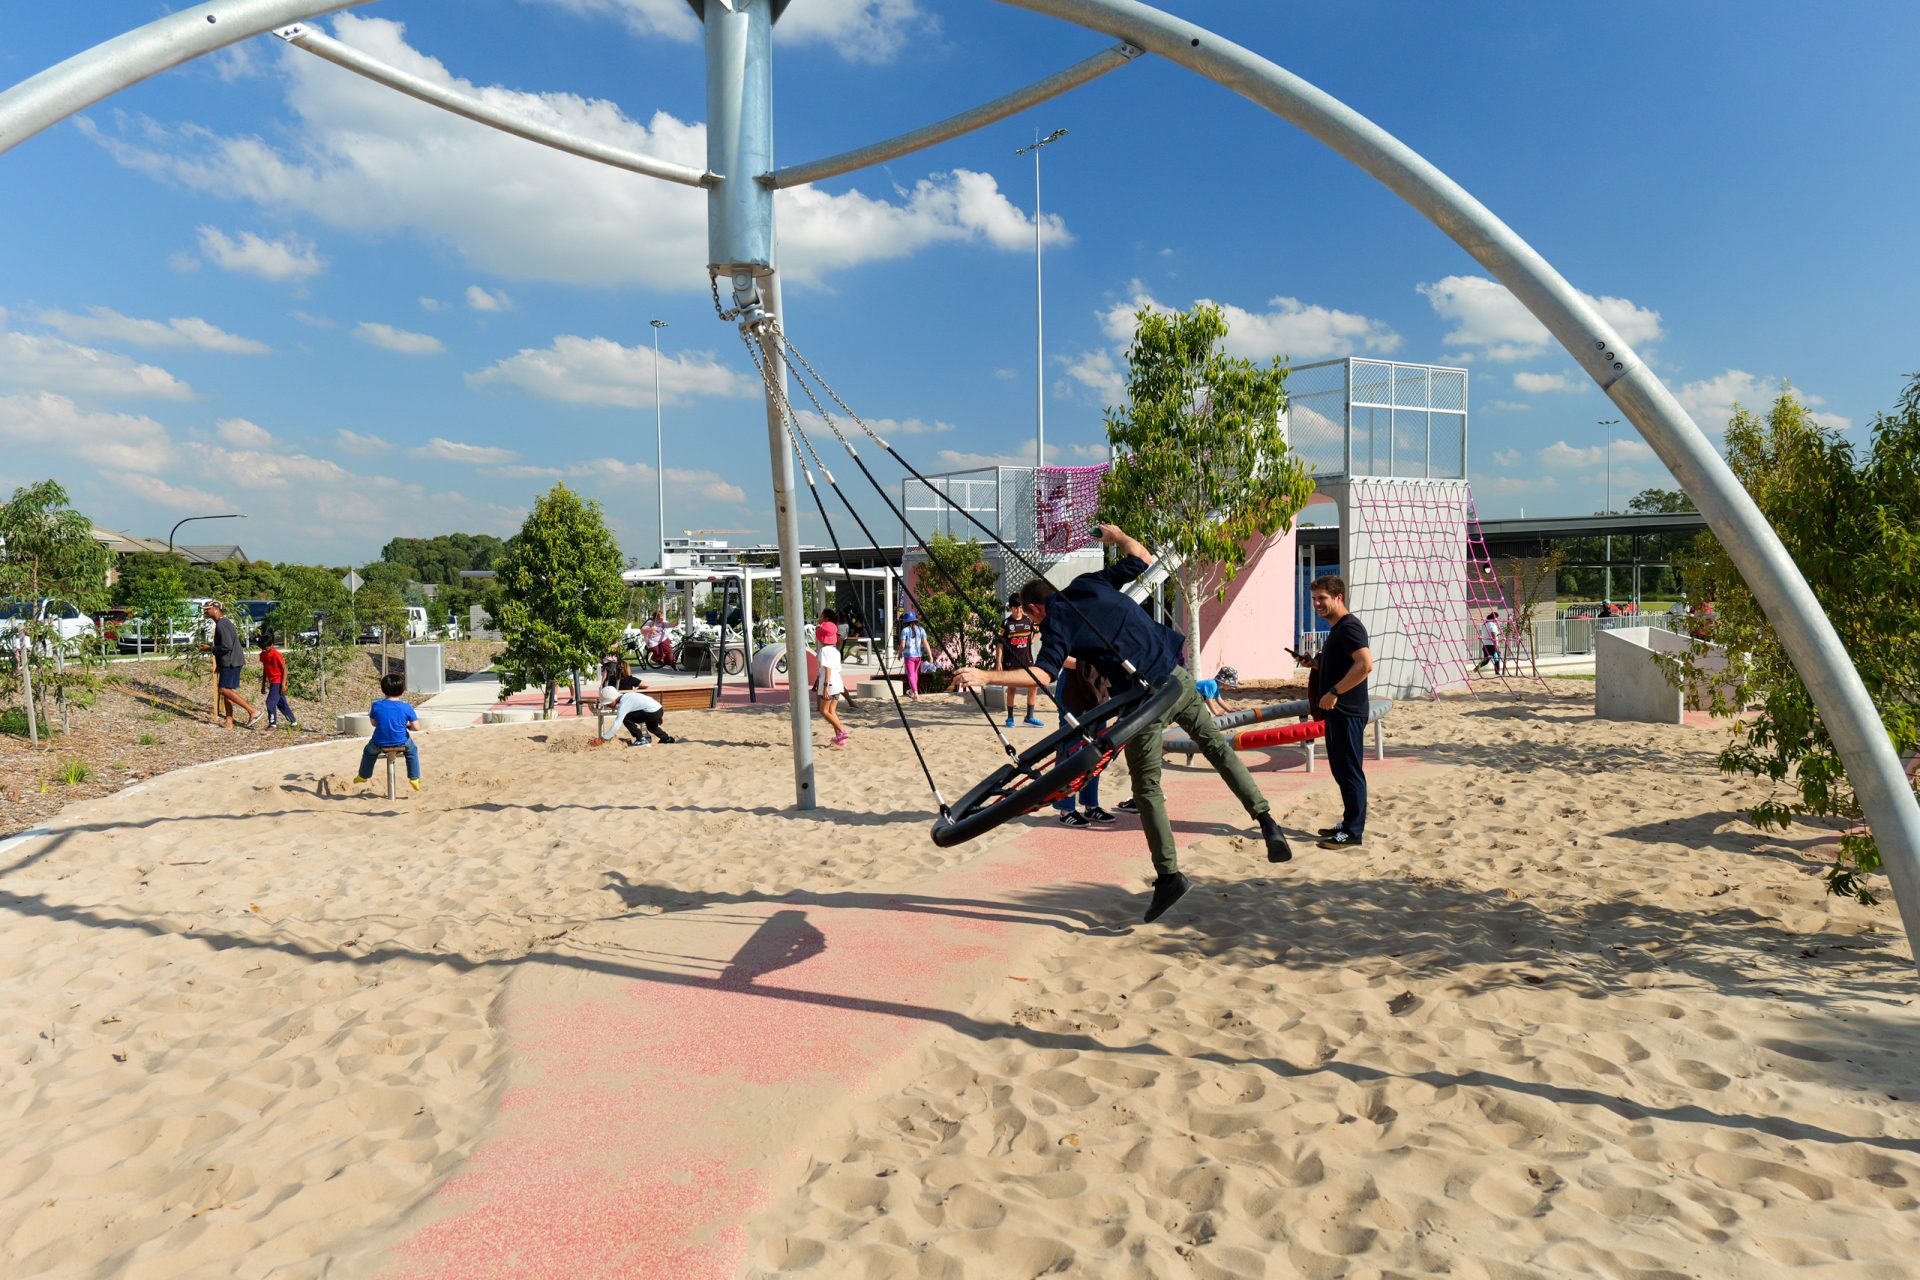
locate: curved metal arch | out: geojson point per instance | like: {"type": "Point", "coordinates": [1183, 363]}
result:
{"type": "Point", "coordinates": [323, 46]}
{"type": "Point", "coordinates": [113, 65]}
{"type": "Point", "coordinates": [1845, 707]}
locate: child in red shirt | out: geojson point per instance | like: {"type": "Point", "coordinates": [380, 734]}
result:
{"type": "Point", "coordinates": [273, 682]}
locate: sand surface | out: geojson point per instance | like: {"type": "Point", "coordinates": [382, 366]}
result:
{"type": "Point", "coordinates": [1565, 1014]}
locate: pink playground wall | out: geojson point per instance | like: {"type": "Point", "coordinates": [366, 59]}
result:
{"type": "Point", "coordinates": [1252, 627]}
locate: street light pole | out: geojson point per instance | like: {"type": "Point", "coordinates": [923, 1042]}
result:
{"type": "Point", "coordinates": [1039, 325]}
{"type": "Point", "coordinates": [178, 523]}
{"type": "Point", "coordinates": [659, 445]}
{"type": "Point", "coordinates": [1610, 424]}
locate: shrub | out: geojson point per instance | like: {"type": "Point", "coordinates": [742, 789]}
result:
{"type": "Point", "coordinates": [13, 722]}
{"type": "Point", "coordinates": [74, 772]}
{"type": "Point", "coordinates": [149, 740]}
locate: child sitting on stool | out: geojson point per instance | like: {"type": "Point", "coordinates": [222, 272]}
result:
{"type": "Point", "coordinates": [393, 721]}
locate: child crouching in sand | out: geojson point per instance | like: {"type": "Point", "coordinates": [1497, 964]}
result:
{"type": "Point", "coordinates": [394, 723]}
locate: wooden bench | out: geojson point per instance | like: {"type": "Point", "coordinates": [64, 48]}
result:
{"type": "Point", "coordinates": [683, 697]}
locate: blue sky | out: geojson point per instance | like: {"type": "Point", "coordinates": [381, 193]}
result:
{"type": "Point", "coordinates": [261, 284]}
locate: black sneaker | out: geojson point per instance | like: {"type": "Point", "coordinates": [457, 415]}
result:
{"type": "Point", "coordinates": [1167, 890]}
{"type": "Point", "coordinates": [1278, 850]}
{"type": "Point", "coordinates": [1129, 805]}
{"type": "Point", "coordinates": [1341, 840]}
{"type": "Point", "coordinates": [1073, 818]}
{"type": "Point", "coordinates": [1099, 816]}
{"type": "Point", "coordinates": [664, 738]}
{"type": "Point", "coordinates": [1326, 832]}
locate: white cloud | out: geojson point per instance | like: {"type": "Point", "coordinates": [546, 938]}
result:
{"type": "Point", "coordinates": [290, 258]}
{"type": "Point", "coordinates": [1098, 373]}
{"type": "Point", "coordinates": [403, 341]}
{"type": "Point", "coordinates": [1486, 316]}
{"type": "Point", "coordinates": [313, 321]}
{"type": "Point", "coordinates": [1535, 383]}
{"type": "Point", "coordinates": [162, 493]}
{"type": "Point", "coordinates": [243, 434]}
{"type": "Point", "coordinates": [694, 483]}
{"type": "Point", "coordinates": [1058, 455]}
{"type": "Point", "coordinates": [857, 30]}
{"type": "Point", "coordinates": [1506, 406]}
{"type": "Point", "coordinates": [1509, 486]}
{"type": "Point", "coordinates": [354, 442]}
{"type": "Point", "coordinates": [440, 449]}
{"type": "Point", "coordinates": [814, 425]}
{"type": "Point", "coordinates": [365, 159]}
{"type": "Point", "coordinates": [1005, 375]}
{"type": "Point", "coordinates": [576, 370]}
{"type": "Point", "coordinates": [1711, 400]}
{"type": "Point", "coordinates": [252, 468]}
{"type": "Point", "coordinates": [105, 324]}
{"type": "Point", "coordinates": [1507, 457]}
{"type": "Point", "coordinates": [43, 362]}
{"type": "Point", "coordinates": [115, 441]}
{"type": "Point", "coordinates": [432, 304]}
{"type": "Point", "coordinates": [1562, 456]}
{"type": "Point", "coordinates": [1290, 328]}
{"type": "Point", "coordinates": [480, 300]}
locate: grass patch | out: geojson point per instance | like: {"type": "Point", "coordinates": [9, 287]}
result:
{"type": "Point", "coordinates": [75, 772]}
{"type": "Point", "coordinates": [13, 722]}
{"type": "Point", "coordinates": [149, 739]}
{"type": "Point", "coordinates": [1575, 676]}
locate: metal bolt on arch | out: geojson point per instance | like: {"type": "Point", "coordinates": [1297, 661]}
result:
{"type": "Point", "coordinates": [740, 182]}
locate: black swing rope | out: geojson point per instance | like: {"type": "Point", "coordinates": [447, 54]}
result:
{"type": "Point", "coordinates": [980, 808]}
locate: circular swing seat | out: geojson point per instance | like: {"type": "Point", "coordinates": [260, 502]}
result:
{"type": "Point", "coordinates": [1035, 778]}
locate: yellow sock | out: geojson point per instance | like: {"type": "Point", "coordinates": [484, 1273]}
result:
{"type": "Point", "coordinates": [358, 781]}
{"type": "Point", "coordinates": [414, 783]}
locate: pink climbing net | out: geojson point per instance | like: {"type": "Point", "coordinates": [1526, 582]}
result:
{"type": "Point", "coordinates": [1064, 500]}
{"type": "Point", "coordinates": [1439, 577]}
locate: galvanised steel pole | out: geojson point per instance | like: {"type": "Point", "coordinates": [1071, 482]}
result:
{"type": "Point", "coordinates": [1756, 551]}
{"type": "Point", "coordinates": [108, 67]}
{"type": "Point", "coordinates": [740, 250]}
{"type": "Point", "coordinates": [1039, 314]}
{"type": "Point", "coordinates": [659, 445]}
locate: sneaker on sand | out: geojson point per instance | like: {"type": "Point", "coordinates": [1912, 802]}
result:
{"type": "Point", "coordinates": [414, 783]}
{"type": "Point", "coordinates": [1009, 723]}
{"type": "Point", "coordinates": [359, 782]}
{"type": "Point", "coordinates": [1327, 832]}
{"type": "Point", "coordinates": [1341, 840]}
{"type": "Point", "coordinates": [1072, 818]}
{"type": "Point", "coordinates": [1167, 890]}
{"type": "Point", "coordinates": [641, 742]}
{"type": "Point", "coordinates": [1035, 721]}
{"type": "Point", "coordinates": [1099, 816]}
{"type": "Point", "coordinates": [1129, 805]}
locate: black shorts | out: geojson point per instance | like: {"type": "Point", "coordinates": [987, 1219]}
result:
{"type": "Point", "coordinates": [229, 677]}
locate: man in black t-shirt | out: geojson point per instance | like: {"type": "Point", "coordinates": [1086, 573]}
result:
{"type": "Point", "coordinates": [1090, 621]}
{"type": "Point", "coordinates": [1342, 666]}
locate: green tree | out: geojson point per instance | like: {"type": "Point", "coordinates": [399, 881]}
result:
{"type": "Point", "coordinates": [384, 609]}
{"type": "Point", "coordinates": [47, 550]}
{"type": "Point", "coordinates": [964, 618]}
{"type": "Point", "coordinates": [1660, 502]}
{"type": "Point", "coordinates": [1202, 467]}
{"type": "Point", "coordinates": [1851, 522]}
{"type": "Point", "coordinates": [559, 593]}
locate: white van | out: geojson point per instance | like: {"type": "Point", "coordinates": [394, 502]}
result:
{"type": "Point", "coordinates": [416, 623]}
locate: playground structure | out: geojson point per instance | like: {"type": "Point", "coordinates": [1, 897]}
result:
{"type": "Point", "coordinates": [1245, 732]}
{"type": "Point", "coordinates": [741, 181]}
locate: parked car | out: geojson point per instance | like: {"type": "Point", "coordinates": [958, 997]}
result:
{"type": "Point", "coordinates": [108, 623]}
{"type": "Point", "coordinates": [187, 627]}
{"type": "Point", "coordinates": [65, 624]}
{"type": "Point", "coordinates": [250, 615]}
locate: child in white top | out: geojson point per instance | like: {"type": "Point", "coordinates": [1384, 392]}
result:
{"type": "Point", "coordinates": [830, 685]}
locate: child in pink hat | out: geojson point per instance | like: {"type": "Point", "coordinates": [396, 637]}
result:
{"type": "Point", "coordinates": [830, 686]}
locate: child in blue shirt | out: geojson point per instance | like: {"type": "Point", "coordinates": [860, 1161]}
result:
{"type": "Point", "coordinates": [393, 717]}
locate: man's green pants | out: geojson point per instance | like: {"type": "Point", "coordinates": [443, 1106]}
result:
{"type": "Point", "coordinates": [1146, 749]}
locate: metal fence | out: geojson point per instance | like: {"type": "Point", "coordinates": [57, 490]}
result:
{"type": "Point", "coordinates": [1355, 417]}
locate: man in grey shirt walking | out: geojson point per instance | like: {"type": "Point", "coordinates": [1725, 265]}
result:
{"type": "Point", "coordinates": [229, 657]}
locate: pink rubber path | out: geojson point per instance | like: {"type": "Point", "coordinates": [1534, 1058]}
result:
{"type": "Point", "coordinates": [667, 1071]}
